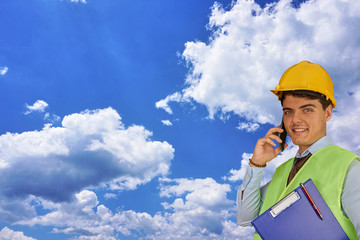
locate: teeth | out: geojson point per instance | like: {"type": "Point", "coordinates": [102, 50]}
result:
{"type": "Point", "coordinates": [300, 130]}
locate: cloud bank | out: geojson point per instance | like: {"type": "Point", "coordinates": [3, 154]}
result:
{"type": "Point", "coordinates": [90, 149]}
{"type": "Point", "coordinates": [6, 234]}
{"type": "Point", "coordinates": [344, 125]}
{"type": "Point", "coordinates": [250, 47]}
{"type": "Point", "coordinates": [193, 209]}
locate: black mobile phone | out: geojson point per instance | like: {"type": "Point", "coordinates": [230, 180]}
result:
{"type": "Point", "coordinates": [282, 136]}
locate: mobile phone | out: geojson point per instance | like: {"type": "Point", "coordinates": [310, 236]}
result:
{"type": "Point", "coordinates": [282, 136]}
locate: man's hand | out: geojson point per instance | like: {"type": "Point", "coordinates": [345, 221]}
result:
{"type": "Point", "coordinates": [264, 150]}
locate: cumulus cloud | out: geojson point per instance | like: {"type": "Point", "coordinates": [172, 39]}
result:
{"type": "Point", "coordinates": [6, 234]}
{"type": "Point", "coordinates": [38, 106]}
{"type": "Point", "coordinates": [343, 128]}
{"type": "Point", "coordinates": [199, 192]}
{"type": "Point", "coordinates": [248, 126]}
{"type": "Point", "coordinates": [164, 103]}
{"type": "Point", "coordinates": [91, 148]}
{"type": "Point", "coordinates": [250, 47]}
{"type": "Point", "coordinates": [79, 1]}
{"type": "Point", "coordinates": [194, 209]}
{"type": "Point", "coordinates": [110, 195]}
{"type": "Point", "coordinates": [237, 175]}
{"type": "Point", "coordinates": [53, 118]}
{"type": "Point", "coordinates": [200, 208]}
{"type": "Point", "coordinates": [166, 122]}
{"type": "Point", "coordinates": [3, 70]}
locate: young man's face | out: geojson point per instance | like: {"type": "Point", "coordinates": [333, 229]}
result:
{"type": "Point", "coordinates": [305, 120]}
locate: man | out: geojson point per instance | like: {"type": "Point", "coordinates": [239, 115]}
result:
{"type": "Point", "coordinates": [307, 96]}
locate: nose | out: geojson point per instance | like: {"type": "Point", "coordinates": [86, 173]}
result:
{"type": "Point", "coordinates": [296, 117]}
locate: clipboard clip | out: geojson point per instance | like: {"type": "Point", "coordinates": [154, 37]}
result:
{"type": "Point", "coordinates": [284, 203]}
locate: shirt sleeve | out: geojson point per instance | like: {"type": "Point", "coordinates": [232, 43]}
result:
{"type": "Point", "coordinates": [250, 196]}
{"type": "Point", "coordinates": [350, 197]}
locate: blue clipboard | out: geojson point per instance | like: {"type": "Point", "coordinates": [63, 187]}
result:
{"type": "Point", "coordinates": [294, 218]}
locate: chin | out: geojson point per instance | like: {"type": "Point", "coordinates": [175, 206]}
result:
{"type": "Point", "coordinates": [301, 142]}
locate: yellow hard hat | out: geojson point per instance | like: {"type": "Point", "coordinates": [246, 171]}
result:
{"type": "Point", "coordinates": [306, 76]}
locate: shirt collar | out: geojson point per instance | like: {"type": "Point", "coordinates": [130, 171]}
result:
{"type": "Point", "coordinates": [319, 144]}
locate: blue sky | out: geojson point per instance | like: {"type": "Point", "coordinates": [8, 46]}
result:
{"type": "Point", "coordinates": [135, 119]}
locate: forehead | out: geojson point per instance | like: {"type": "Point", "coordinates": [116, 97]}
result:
{"type": "Point", "coordinates": [293, 101]}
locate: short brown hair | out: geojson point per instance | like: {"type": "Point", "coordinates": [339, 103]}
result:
{"type": "Point", "coordinates": [308, 95]}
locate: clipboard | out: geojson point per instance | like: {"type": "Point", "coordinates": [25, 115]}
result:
{"type": "Point", "coordinates": [293, 217]}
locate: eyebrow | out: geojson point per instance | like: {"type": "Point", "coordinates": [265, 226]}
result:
{"type": "Point", "coordinates": [308, 105]}
{"type": "Point", "coordinates": [303, 106]}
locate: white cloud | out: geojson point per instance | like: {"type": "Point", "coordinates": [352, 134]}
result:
{"type": "Point", "coordinates": [197, 209]}
{"type": "Point", "coordinates": [166, 122]}
{"type": "Point", "coordinates": [3, 70]}
{"type": "Point", "coordinates": [344, 125]}
{"type": "Point", "coordinates": [6, 234]}
{"type": "Point", "coordinates": [38, 106]}
{"type": "Point", "coordinates": [164, 103]}
{"type": "Point", "coordinates": [199, 191]}
{"type": "Point", "coordinates": [110, 195]}
{"type": "Point", "coordinates": [251, 47]}
{"type": "Point", "coordinates": [200, 209]}
{"type": "Point", "coordinates": [237, 175]}
{"type": "Point", "coordinates": [79, 1]}
{"type": "Point", "coordinates": [91, 148]}
{"type": "Point", "coordinates": [51, 117]}
{"type": "Point", "coordinates": [248, 126]}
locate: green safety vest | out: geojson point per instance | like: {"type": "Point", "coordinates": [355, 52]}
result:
{"type": "Point", "coordinates": [327, 169]}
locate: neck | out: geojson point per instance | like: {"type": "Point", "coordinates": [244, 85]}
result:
{"type": "Point", "coordinates": [322, 142]}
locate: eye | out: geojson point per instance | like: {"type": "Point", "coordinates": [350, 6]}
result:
{"type": "Point", "coordinates": [287, 112]}
{"type": "Point", "coordinates": [307, 110]}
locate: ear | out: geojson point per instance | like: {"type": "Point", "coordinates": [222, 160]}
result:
{"type": "Point", "coordinates": [328, 112]}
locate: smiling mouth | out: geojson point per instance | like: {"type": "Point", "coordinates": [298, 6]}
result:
{"type": "Point", "coordinates": [299, 130]}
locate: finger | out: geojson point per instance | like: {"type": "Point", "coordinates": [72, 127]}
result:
{"type": "Point", "coordinates": [274, 131]}
{"type": "Point", "coordinates": [266, 140]}
{"type": "Point", "coordinates": [275, 138]}
{"type": "Point", "coordinates": [270, 141]}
